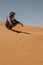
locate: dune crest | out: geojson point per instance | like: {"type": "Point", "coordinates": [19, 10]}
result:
{"type": "Point", "coordinates": [21, 46]}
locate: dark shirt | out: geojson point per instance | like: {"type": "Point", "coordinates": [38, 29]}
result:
{"type": "Point", "coordinates": [13, 21]}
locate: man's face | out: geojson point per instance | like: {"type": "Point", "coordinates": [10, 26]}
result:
{"type": "Point", "coordinates": [12, 16]}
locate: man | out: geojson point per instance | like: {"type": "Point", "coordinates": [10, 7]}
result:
{"type": "Point", "coordinates": [11, 21]}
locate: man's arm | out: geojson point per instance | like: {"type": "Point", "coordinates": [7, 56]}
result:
{"type": "Point", "coordinates": [21, 24]}
{"type": "Point", "coordinates": [18, 22]}
{"type": "Point", "coordinates": [9, 21]}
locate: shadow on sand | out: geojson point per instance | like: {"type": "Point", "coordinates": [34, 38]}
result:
{"type": "Point", "coordinates": [17, 31]}
{"type": "Point", "coordinates": [20, 31]}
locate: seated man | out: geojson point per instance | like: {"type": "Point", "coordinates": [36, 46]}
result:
{"type": "Point", "coordinates": [11, 21]}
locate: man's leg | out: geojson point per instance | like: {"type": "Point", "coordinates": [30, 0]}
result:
{"type": "Point", "coordinates": [14, 23]}
{"type": "Point", "coordinates": [9, 26]}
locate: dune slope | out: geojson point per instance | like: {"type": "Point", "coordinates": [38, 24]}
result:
{"type": "Point", "coordinates": [22, 46]}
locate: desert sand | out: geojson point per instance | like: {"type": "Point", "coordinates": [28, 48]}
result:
{"type": "Point", "coordinates": [21, 46]}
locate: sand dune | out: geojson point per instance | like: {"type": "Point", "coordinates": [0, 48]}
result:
{"type": "Point", "coordinates": [22, 46]}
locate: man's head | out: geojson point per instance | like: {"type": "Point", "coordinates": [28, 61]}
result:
{"type": "Point", "coordinates": [12, 14]}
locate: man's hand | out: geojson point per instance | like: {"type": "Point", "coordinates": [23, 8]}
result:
{"type": "Point", "coordinates": [21, 24]}
{"type": "Point", "coordinates": [11, 24]}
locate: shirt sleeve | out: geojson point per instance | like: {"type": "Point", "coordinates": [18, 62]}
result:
{"type": "Point", "coordinates": [16, 20]}
{"type": "Point", "coordinates": [8, 19]}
